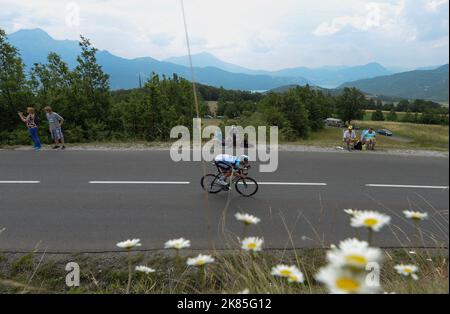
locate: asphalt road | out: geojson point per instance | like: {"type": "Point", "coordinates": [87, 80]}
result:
{"type": "Point", "coordinates": [64, 212]}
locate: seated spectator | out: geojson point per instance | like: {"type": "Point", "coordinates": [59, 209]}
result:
{"type": "Point", "coordinates": [369, 138]}
{"type": "Point", "coordinates": [350, 138]}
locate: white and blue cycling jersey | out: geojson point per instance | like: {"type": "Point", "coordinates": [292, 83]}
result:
{"type": "Point", "coordinates": [229, 160]}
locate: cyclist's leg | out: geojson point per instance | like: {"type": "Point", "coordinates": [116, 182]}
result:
{"type": "Point", "coordinates": [225, 171]}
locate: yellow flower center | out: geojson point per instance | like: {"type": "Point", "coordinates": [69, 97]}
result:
{"type": "Point", "coordinates": [370, 222]}
{"type": "Point", "coordinates": [408, 270]}
{"type": "Point", "coordinates": [252, 246]}
{"type": "Point", "coordinates": [286, 273]}
{"type": "Point", "coordinates": [200, 262]}
{"type": "Point", "coordinates": [347, 284]}
{"type": "Point", "coordinates": [356, 259]}
{"type": "Point", "coordinates": [293, 278]}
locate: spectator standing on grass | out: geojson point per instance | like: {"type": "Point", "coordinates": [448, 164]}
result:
{"type": "Point", "coordinates": [32, 123]}
{"type": "Point", "coordinates": [369, 138]}
{"type": "Point", "coordinates": [55, 122]}
{"type": "Point", "coordinates": [350, 137]}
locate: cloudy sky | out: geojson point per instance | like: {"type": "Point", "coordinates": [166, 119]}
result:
{"type": "Point", "coordinates": [259, 34]}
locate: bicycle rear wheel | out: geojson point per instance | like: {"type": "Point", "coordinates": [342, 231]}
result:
{"type": "Point", "coordinates": [247, 186]}
{"type": "Point", "coordinates": [210, 183]}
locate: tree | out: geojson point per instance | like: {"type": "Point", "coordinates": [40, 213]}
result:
{"type": "Point", "coordinates": [378, 115]}
{"type": "Point", "coordinates": [91, 86]}
{"type": "Point", "coordinates": [15, 92]}
{"type": "Point", "coordinates": [350, 105]}
{"type": "Point", "coordinates": [392, 116]}
{"type": "Point", "coordinates": [52, 85]}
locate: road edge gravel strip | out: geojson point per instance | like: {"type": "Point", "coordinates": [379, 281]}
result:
{"type": "Point", "coordinates": [281, 147]}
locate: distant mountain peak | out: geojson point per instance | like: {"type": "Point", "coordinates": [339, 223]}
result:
{"type": "Point", "coordinates": [32, 33]}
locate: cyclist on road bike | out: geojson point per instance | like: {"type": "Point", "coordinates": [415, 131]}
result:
{"type": "Point", "coordinates": [226, 163]}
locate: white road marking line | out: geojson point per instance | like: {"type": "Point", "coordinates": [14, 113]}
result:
{"type": "Point", "coordinates": [19, 182]}
{"type": "Point", "coordinates": [139, 182]}
{"type": "Point", "coordinates": [407, 186]}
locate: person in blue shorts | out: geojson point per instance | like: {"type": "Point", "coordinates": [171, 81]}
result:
{"type": "Point", "coordinates": [55, 122]}
{"type": "Point", "coordinates": [369, 138]}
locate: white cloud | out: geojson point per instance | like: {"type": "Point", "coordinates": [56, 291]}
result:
{"type": "Point", "coordinates": [434, 5]}
{"type": "Point", "coordinates": [161, 39]}
{"type": "Point", "coordinates": [267, 34]}
{"type": "Point", "coordinates": [375, 15]}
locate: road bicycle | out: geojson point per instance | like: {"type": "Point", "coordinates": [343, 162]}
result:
{"type": "Point", "coordinates": [243, 184]}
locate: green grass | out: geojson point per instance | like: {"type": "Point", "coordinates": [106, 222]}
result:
{"type": "Point", "coordinates": [413, 136]}
{"type": "Point", "coordinates": [232, 273]}
{"type": "Point", "coordinates": [368, 115]}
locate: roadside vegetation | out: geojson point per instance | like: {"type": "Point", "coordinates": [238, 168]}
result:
{"type": "Point", "coordinates": [406, 136]}
{"type": "Point", "coordinates": [232, 273]}
{"type": "Point", "coordinates": [352, 266]}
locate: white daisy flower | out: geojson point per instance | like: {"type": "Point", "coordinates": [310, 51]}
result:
{"type": "Point", "coordinates": [247, 219]}
{"type": "Point", "coordinates": [370, 219]}
{"type": "Point", "coordinates": [177, 244]}
{"type": "Point", "coordinates": [354, 254]}
{"type": "Point", "coordinates": [407, 270]}
{"type": "Point", "coordinates": [296, 277]}
{"type": "Point", "coordinates": [292, 273]}
{"type": "Point", "coordinates": [344, 281]}
{"type": "Point", "coordinates": [144, 269]}
{"type": "Point", "coordinates": [415, 215]}
{"type": "Point", "coordinates": [253, 244]}
{"type": "Point", "coordinates": [351, 212]}
{"type": "Point", "coordinates": [200, 260]}
{"type": "Point", "coordinates": [245, 291]}
{"type": "Point", "coordinates": [129, 244]}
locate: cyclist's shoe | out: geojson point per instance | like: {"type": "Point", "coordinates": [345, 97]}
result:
{"type": "Point", "coordinates": [222, 182]}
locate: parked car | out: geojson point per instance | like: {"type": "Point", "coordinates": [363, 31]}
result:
{"type": "Point", "coordinates": [334, 122]}
{"type": "Point", "coordinates": [385, 132]}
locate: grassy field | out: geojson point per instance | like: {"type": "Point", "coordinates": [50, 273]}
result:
{"type": "Point", "coordinates": [407, 136]}
{"type": "Point", "coordinates": [231, 273]}
{"type": "Point", "coordinates": [368, 115]}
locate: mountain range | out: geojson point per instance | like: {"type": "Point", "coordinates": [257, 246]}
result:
{"type": "Point", "coordinates": [35, 44]}
{"type": "Point", "coordinates": [327, 76]}
{"type": "Point", "coordinates": [424, 84]}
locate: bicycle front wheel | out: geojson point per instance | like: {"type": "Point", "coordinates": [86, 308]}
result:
{"type": "Point", "coordinates": [210, 183]}
{"type": "Point", "coordinates": [247, 186]}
